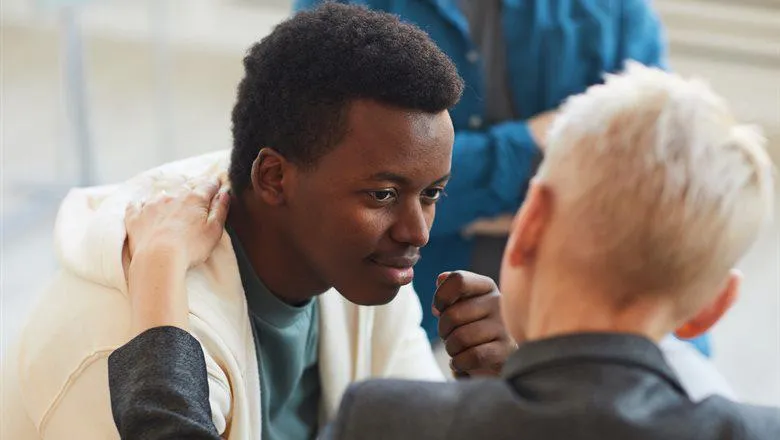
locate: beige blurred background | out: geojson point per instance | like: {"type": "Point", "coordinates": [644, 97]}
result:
{"type": "Point", "coordinates": [158, 83]}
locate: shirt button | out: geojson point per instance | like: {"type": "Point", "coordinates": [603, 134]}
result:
{"type": "Point", "coordinates": [475, 122]}
{"type": "Point", "coordinates": [472, 56]}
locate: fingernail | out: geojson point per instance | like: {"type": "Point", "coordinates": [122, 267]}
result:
{"type": "Point", "coordinates": [435, 311]}
{"type": "Point", "coordinates": [441, 278]}
{"type": "Point", "coordinates": [454, 370]}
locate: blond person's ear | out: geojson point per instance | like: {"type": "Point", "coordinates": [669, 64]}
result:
{"type": "Point", "coordinates": [712, 313]}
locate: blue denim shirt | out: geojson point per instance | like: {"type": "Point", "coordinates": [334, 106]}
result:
{"type": "Point", "coordinates": [555, 48]}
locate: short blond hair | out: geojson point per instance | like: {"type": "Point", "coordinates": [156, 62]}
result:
{"type": "Point", "coordinates": [662, 185]}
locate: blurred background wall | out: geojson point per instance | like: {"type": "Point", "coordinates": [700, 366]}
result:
{"type": "Point", "coordinates": [94, 91]}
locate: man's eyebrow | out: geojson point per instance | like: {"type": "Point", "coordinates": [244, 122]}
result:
{"type": "Point", "coordinates": [402, 180]}
{"type": "Point", "coordinates": [443, 179]}
{"type": "Point", "coordinates": [390, 177]}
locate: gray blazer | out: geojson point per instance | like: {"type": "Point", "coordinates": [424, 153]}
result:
{"type": "Point", "coordinates": [587, 386]}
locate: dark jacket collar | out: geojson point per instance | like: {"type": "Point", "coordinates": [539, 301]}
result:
{"type": "Point", "coordinates": [608, 348]}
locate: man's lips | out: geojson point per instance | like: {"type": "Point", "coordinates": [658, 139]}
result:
{"type": "Point", "coordinates": [398, 262]}
{"type": "Point", "coordinates": [396, 270]}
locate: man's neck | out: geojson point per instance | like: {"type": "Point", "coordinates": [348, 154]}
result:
{"type": "Point", "coordinates": [561, 311]}
{"type": "Point", "coordinates": [272, 257]}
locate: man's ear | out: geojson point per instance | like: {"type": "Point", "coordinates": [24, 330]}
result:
{"type": "Point", "coordinates": [529, 225]}
{"type": "Point", "coordinates": [712, 313]}
{"type": "Point", "coordinates": [268, 172]}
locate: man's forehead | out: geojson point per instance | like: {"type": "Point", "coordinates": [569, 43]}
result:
{"type": "Point", "coordinates": [399, 164]}
{"type": "Point", "coordinates": [390, 144]}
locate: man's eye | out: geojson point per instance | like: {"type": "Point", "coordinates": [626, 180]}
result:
{"type": "Point", "coordinates": [384, 195]}
{"type": "Point", "coordinates": [433, 194]}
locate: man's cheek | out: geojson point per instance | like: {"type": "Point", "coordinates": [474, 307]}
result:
{"type": "Point", "coordinates": [364, 228]}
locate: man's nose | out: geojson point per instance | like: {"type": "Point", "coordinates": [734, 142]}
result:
{"type": "Point", "coordinates": [413, 225]}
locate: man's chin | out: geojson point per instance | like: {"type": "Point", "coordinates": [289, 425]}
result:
{"type": "Point", "coordinates": [371, 296]}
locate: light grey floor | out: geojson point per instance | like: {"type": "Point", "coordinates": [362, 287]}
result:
{"type": "Point", "coordinates": [38, 164]}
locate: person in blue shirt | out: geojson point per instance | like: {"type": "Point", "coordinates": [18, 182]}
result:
{"type": "Point", "coordinates": [520, 59]}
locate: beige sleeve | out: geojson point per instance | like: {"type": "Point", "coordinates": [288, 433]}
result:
{"type": "Point", "coordinates": [61, 365]}
{"type": "Point", "coordinates": [14, 421]}
{"type": "Point", "coordinates": [82, 410]}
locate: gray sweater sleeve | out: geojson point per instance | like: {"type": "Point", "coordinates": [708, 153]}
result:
{"type": "Point", "coordinates": [159, 387]}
